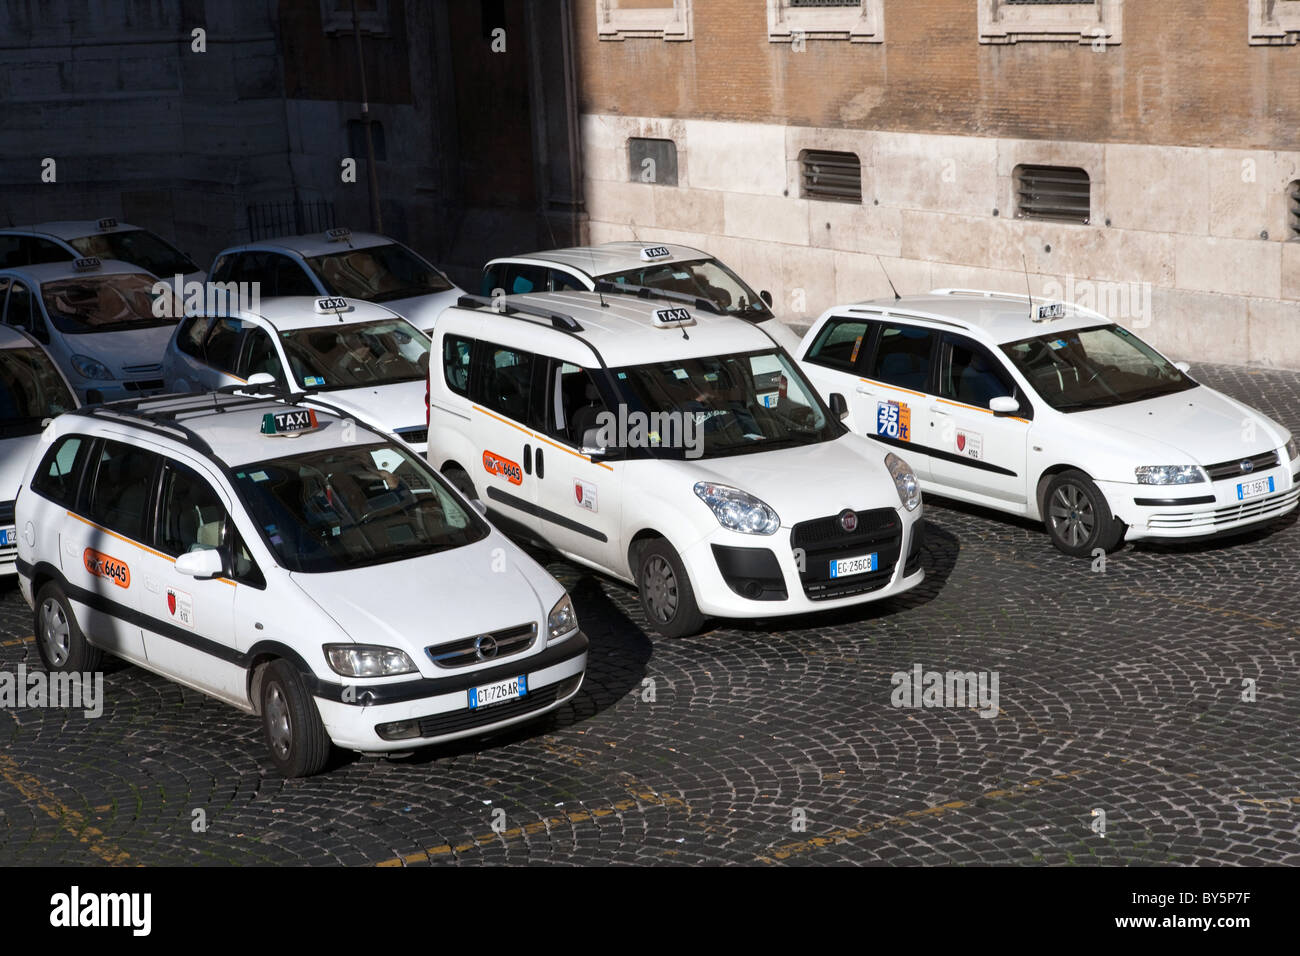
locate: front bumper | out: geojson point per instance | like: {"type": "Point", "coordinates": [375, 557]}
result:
{"type": "Point", "coordinates": [1200, 510]}
{"type": "Point", "coordinates": [441, 705]}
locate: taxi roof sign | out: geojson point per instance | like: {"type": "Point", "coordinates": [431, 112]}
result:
{"type": "Point", "coordinates": [332, 305]}
{"type": "Point", "coordinates": [673, 317]}
{"type": "Point", "coordinates": [87, 264]}
{"type": "Point", "coordinates": [1053, 310]}
{"type": "Point", "coordinates": [338, 234]}
{"type": "Point", "coordinates": [105, 224]}
{"type": "Point", "coordinates": [289, 423]}
{"type": "Point", "coordinates": [655, 252]}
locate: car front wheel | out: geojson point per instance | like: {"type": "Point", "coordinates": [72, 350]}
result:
{"type": "Point", "coordinates": [665, 590]}
{"type": "Point", "coordinates": [1077, 517]}
{"type": "Point", "coordinates": [295, 735]}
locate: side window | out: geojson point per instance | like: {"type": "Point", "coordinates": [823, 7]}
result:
{"type": "Point", "coordinates": [841, 343]}
{"type": "Point", "coordinates": [493, 278]}
{"type": "Point", "coordinates": [60, 470]}
{"type": "Point", "coordinates": [561, 281]}
{"type": "Point", "coordinates": [521, 278]}
{"type": "Point", "coordinates": [288, 278]}
{"type": "Point", "coordinates": [192, 516]}
{"type": "Point", "coordinates": [10, 255]}
{"type": "Point", "coordinates": [223, 269]}
{"type": "Point", "coordinates": [505, 381]}
{"type": "Point", "coordinates": [260, 356]}
{"type": "Point", "coordinates": [970, 374]}
{"type": "Point", "coordinates": [18, 310]}
{"type": "Point", "coordinates": [189, 338]}
{"type": "Point", "coordinates": [903, 357]}
{"type": "Point", "coordinates": [222, 347]}
{"type": "Point", "coordinates": [574, 403]}
{"type": "Point", "coordinates": [40, 250]}
{"type": "Point", "coordinates": [122, 489]}
{"type": "Point", "coordinates": [457, 353]}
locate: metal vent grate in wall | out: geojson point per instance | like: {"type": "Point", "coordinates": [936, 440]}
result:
{"type": "Point", "coordinates": [833, 176]}
{"type": "Point", "coordinates": [1059, 193]}
{"type": "Point", "coordinates": [1293, 210]}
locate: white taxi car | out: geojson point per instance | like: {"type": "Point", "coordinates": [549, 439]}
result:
{"type": "Point", "coordinates": [104, 239]}
{"type": "Point", "coordinates": [668, 266]}
{"type": "Point", "coordinates": [342, 263]}
{"type": "Point", "coordinates": [1054, 412]}
{"type": "Point", "coordinates": [293, 563]}
{"type": "Point", "coordinates": [99, 321]}
{"type": "Point", "coordinates": [675, 449]}
{"type": "Point", "coordinates": [360, 356]}
{"type": "Point", "coordinates": [31, 393]}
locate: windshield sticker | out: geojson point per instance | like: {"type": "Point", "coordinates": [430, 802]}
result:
{"type": "Point", "coordinates": [258, 476]}
{"type": "Point", "coordinates": [101, 565]}
{"type": "Point", "coordinates": [180, 607]}
{"type": "Point", "coordinates": [584, 494]}
{"type": "Point", "coordinates": [894, 420]}
{"type": "Point", "coordinates": [680, 373]}
{"type": "Point", "coordinates": [970, 444]}
{"type": "Point", "coordinates": [509, 470]}
{"type": "Point", "coordinates": [679, 276]}
{"type": "Point", "coordinates": [313, 380]}
{"type": "Point", "coordinates": [1057, 343]}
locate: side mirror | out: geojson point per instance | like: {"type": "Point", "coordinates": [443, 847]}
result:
{"type": "Point", "coordinates": [1183, 366]}
{"type": "Point", "coordinates": [839, 407]}
{"type": "Point", "coordinates": [591, 446]}
{"type": "Point", "coordinates": [261, 378]}
{"type": "Point", "coordinates": [1004, 405]}
{"type": "Point", "coordinates": [766, 297]}
{"type": "Point", "coordinates": [206, 563]}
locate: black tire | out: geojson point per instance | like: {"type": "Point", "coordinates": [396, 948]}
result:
{"type": "Point", "coordinates": [59, 639]}
{"type": "Point", "coordinates": [1077, 518]}
{"type": "Point", "coordinates": [291, 724]}
{"type": "Point", "coordinates": [461, 482]}
{"type": "Point", "coordinates": [665, 591]}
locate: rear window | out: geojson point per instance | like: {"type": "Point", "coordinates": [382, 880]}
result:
{"type": "Point", "coordinates": [60, 470]}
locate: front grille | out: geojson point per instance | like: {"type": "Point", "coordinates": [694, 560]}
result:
{"type": "Point", "coordinates": [141, 369]}
{"type": "Point", "coordinates": [1266, 507]}
{"type": "Point", "coordinates": [465, 653]}
{"type": "Point", "coordinates": [1232, 469]}
{"type": "Point", "coordinates": [414, 436]}
{"type": "Point", "coordinates": [6, 512]}
{"type": "Point", "coordinates": [823, 540]}
{"type": "Point", "coordinates": [144, 385]}
{"type": "Point", "coordinates": [458, 720]}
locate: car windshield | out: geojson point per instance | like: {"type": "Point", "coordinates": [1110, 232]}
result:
{"type": "Point", "coordinates": [359, 353]}
{"type": "Point", "coordinates": [353, 506]}
{"type": "Point", "coordinates": [1094, 368]}
{"type": "Point", "coordinates": [705, 278]}
{"type": "Point", "coordinates": [378, 273]}
{"type": "Point", "coordinates": [722, 405]}
{"type": "Point", "coordinates": [106, 303]}
{"type": "Point", "coordinates": [31, 391]}
{"type": "Point", "coordinates": [138, 247]}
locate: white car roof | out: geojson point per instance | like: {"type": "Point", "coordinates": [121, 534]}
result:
{"type": "Point", "coordinates": [218, 425]}
{"type": "Point", "coordinates": [608, 257]}
{"type": "Point", "coordinates": [623, 329]}
{"type": "Point", "coordinates": [291, 312]}
{"type": "Point", "coordinates": [997, 317]}
{"type": "Point", "coordinates": [68, 229]}
{"type": "Point", "coordinates": [53, 271]}
{"type": "Point", "coordinates": [312, 244]}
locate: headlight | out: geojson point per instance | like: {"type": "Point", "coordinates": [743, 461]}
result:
{"type": "Point", "coordinates": [367, 660]}
{"type": "Point", "coordinates": [88, 367]}
{"type": "Point", "coordinates": [1169, 474]}
{"type": "Point", "coordinates": [1292, 450]}
{"type": "Point", "coordinates": [909, 489]}
{"type": "Point", "coordinates": [563, 619]}
{"type": "Point", "coordinates": [737, 510]}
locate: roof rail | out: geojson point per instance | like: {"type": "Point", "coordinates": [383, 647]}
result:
{"type": "Point", "coordinates": [561, 320]}
{"type": "Point", "coordinates": [1021, 297]}
{"type": "Point", "coordinates": [158, 423]}
{"type": "Point", "coordinates": [648, 292]}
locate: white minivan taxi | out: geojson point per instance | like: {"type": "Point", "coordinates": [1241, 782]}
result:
{"type": "Point", "coordinates": [672, 448]}
{"type": "Point", "coordinates": [31, 393]}
{"type": "Point", "coordinates": [361, 357]}
{"type": "Point", "coordinates": [101, 322]}
{"type": "Point", "coordinates": [293, 563]}
{"type": "Point", "coordinates": [1052, 411]}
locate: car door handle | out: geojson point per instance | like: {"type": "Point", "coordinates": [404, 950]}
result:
{"type": "Point", "coordinates": [938, 410]}
{"type": "Point", "coordinates": [528, 459]}
{"type": "Point", "coordinates": [863, 390]}
{"type": "Point", "coordinates": [541, 465]}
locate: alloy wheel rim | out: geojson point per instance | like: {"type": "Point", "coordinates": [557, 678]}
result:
{"type": "Point", "coordinates": [1073, 518]}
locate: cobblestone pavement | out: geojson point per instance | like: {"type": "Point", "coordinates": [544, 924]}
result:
{"type": "Point", "coordinates": [1119, 691]}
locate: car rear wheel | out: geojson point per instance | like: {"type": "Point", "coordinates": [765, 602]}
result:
{"type": "Point", "coordinates": [1077, 517]}
{"type": "Point", "coordinates": [295, 734]}
{"type": "Point", "coordinates": [59, 639]}
{"type": "Point", "coordinates": [665, 591]}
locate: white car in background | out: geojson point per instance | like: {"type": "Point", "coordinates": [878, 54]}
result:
{"type": "Point", "coordinates": [1054, 412]}
{"type": "Point", "coordinates": [342, 263]}
{"type": "Point", "coordinates": [99, 321]}
{"type": "Point", "coordinates": [361, 357]}
{"type": "Point", "coordinates": [32, 392]}
{"type": "Point", "coordinates": [667, 266]}
{"type": "Point", "coordinates": [103, 239]}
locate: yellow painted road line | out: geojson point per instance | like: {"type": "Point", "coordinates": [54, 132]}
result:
{"type": "Point", "coordinates": [787, 850]}
{"type": "Point", "coordinates": [29, 639]}
{"type": "Point", "coordinates": [35, 792]}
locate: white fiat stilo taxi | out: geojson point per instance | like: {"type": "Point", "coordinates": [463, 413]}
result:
{"type": "Point", "coordinates": [293, 563]}
{"type": "Point", "coordinates": [1052, 411]}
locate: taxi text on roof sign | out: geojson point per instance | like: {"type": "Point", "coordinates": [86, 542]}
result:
{"type": "Point", "coordinates": [655, 252]}
{"type": "Point", "coordinates": [291, 422]}
{"type": "Point", "coordinates": [107, 224]}
{"type": "Point", "coordinates": [1053, 310]}
{"type": "Point", "coordinates": [673, 317]}
{"type": "Point", "coordinates": [86, 264]}
{"type": "Point", "coordinates": [332, 305]}
{"type": "Point", "coordinates": [338, 234]}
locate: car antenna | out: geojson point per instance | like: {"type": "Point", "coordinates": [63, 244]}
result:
{"type": "Point", "coordinates": [596, 279]}
{"type": "Point", "coordinates": [887, 279]}
{"type": "Point", "coordinates": [1028, 288]}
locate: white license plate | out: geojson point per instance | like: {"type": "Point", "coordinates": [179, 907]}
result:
{"type": "Point", "coordinates": [1253, 489]}
{"type": "Point", "coordinates": [488, 694]}
{"type": "Point", "coordinates": [8, 537]}
{"type": "Point", "coordinates": [860, 565]}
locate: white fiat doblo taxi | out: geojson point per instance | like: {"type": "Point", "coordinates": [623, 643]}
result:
{"type": "Point", "coordinates": [1053, 412]}
{"type": "Point", "coordinates": [671, 447]}
{"type": "Point", "coordinates": [294, 563]}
